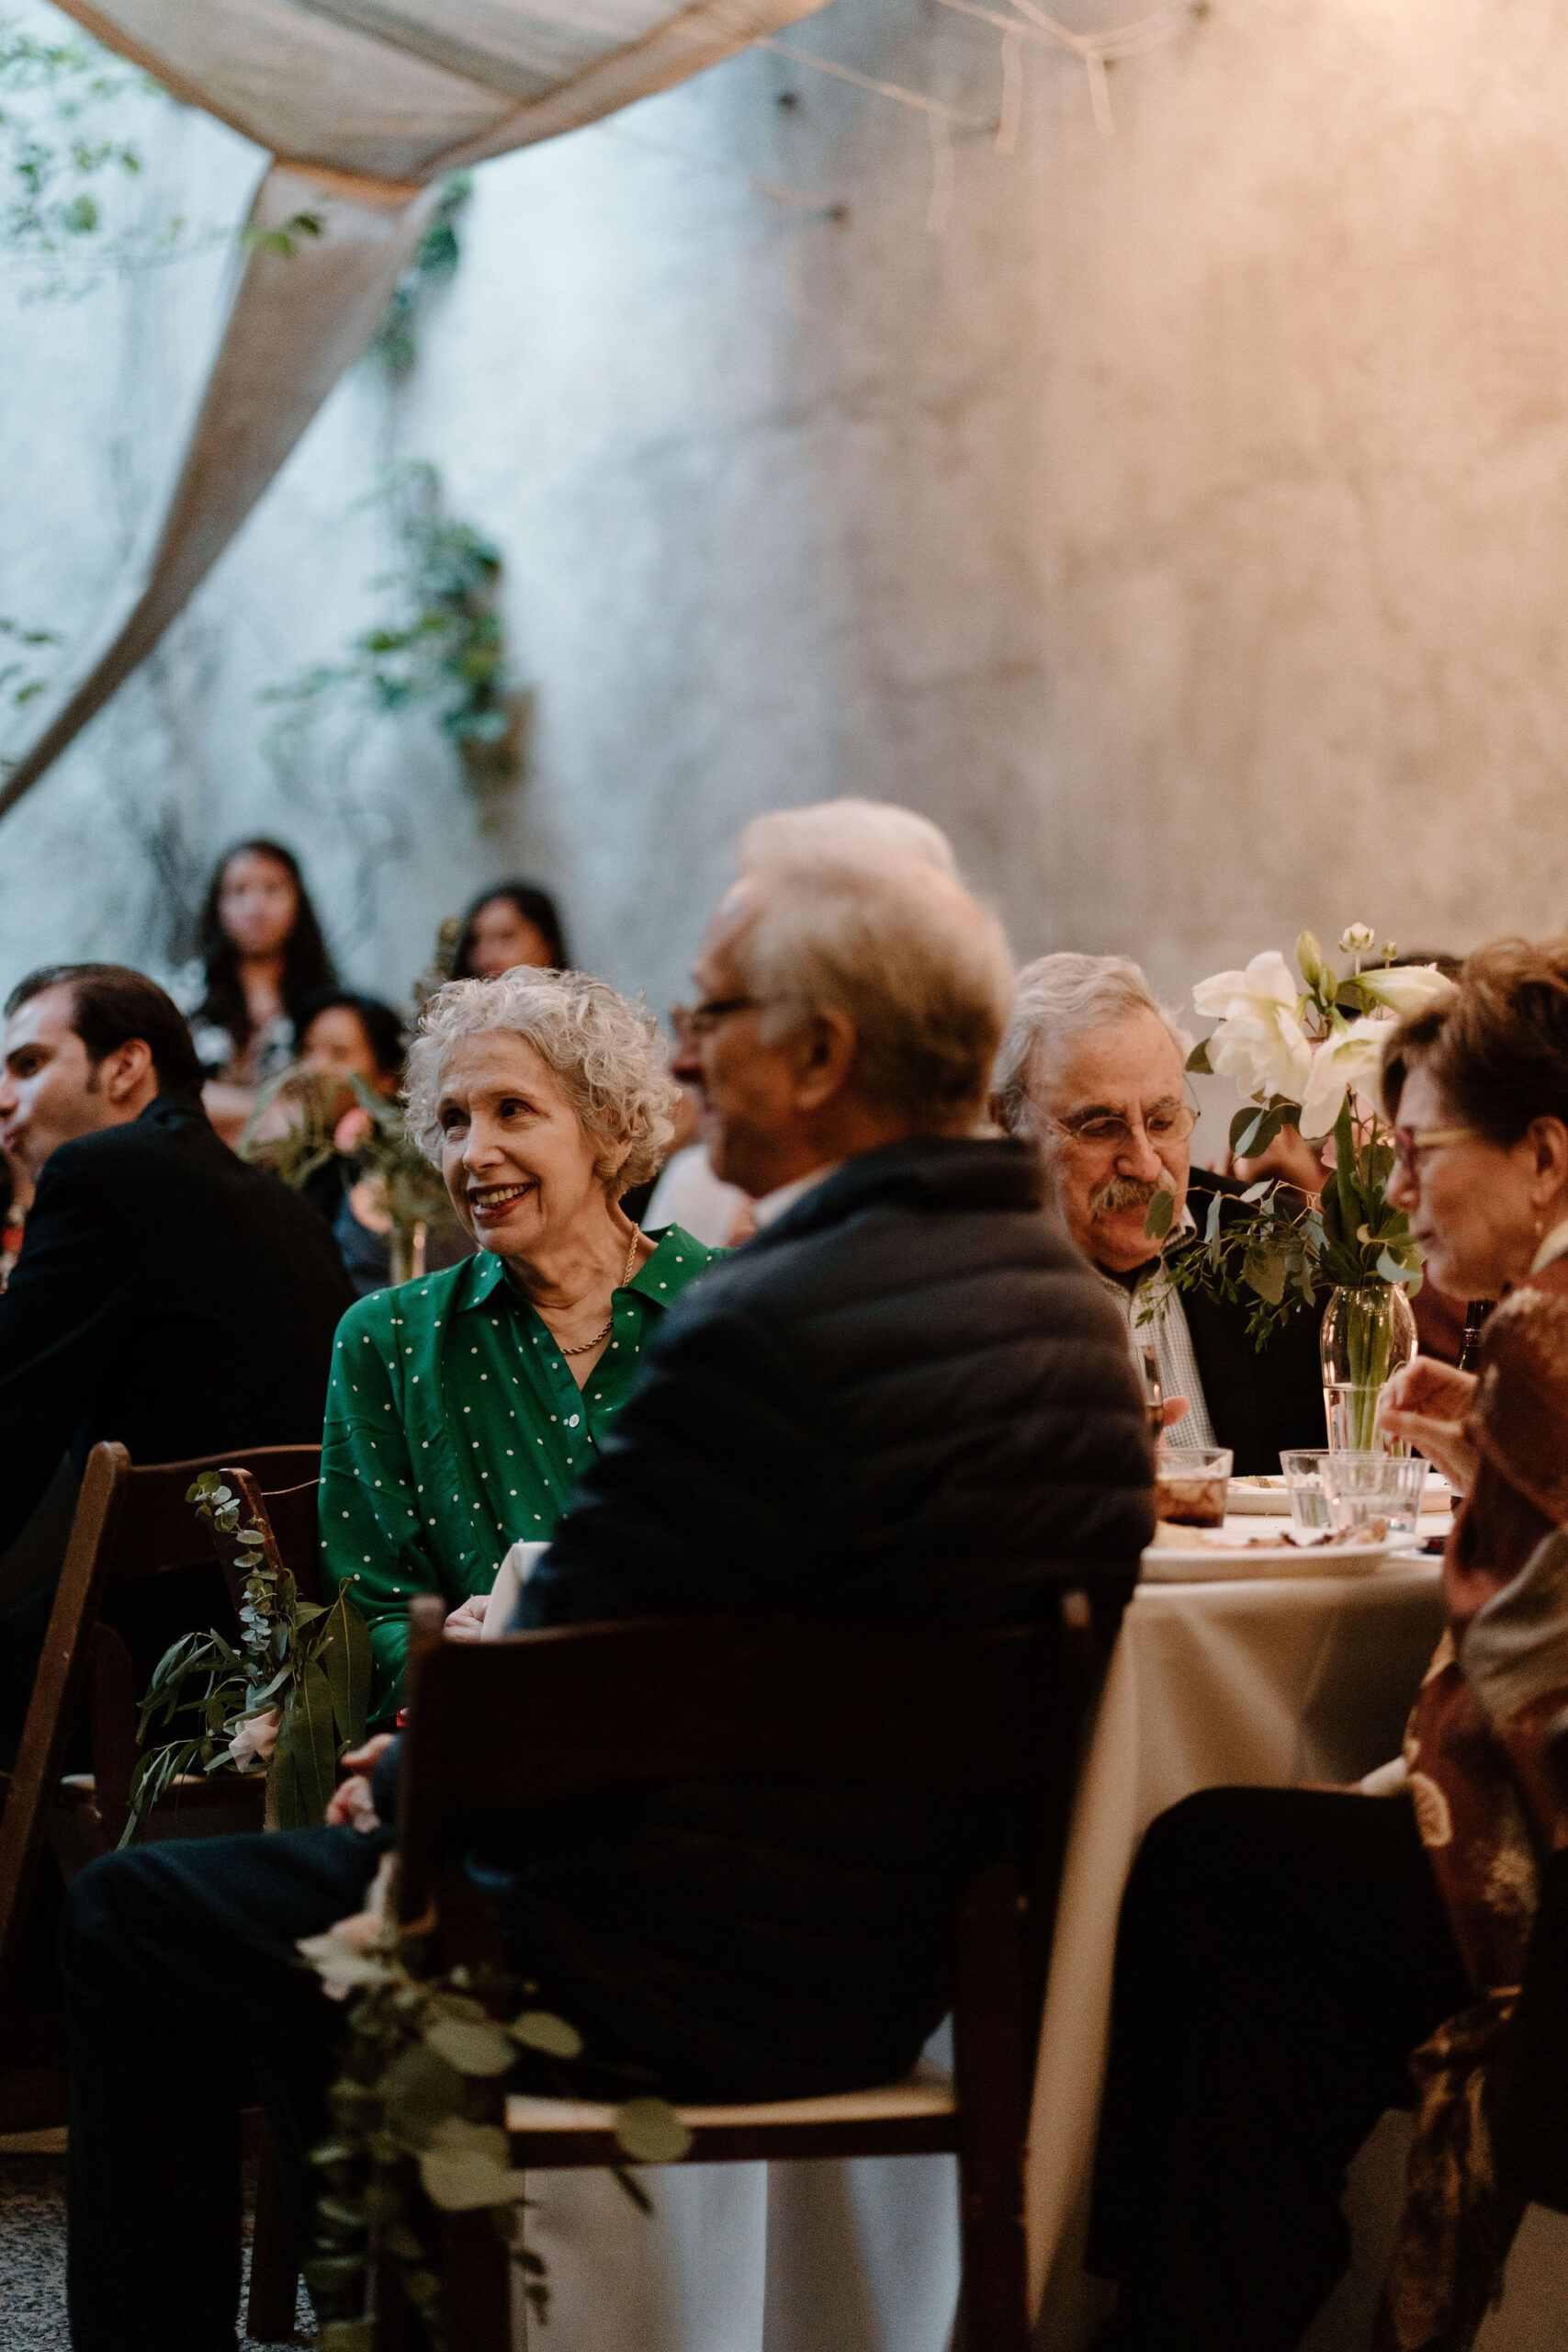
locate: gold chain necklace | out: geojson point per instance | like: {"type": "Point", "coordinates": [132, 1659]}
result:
{"type": "Point", "coordinates": [600, 1337]}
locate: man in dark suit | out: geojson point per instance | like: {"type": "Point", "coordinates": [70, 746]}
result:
{"type": "Point", "coordinates": [166, 1294]}
{"type": "Point", "coordinates": [1092, 1069]}
{"type": "Point", "coordinates": [907, 1399]}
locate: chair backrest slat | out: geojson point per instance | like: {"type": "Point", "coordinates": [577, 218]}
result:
{"type": "Point", "coordinates": [130, 1522]}
{"type": "Point", "coordinates": [163, 1532]}
{"type": "Point", "coordinates": [562, 1712]}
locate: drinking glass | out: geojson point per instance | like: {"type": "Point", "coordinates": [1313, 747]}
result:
{"type": "Point", "coordinates": [1190, 1483]}
{"type": "Point", "coordinates": [1359, 1488]}
{"type": "Point", "coordinates": [1304, 1484]}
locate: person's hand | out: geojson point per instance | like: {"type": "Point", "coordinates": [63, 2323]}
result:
{"type": "Point", "coordinates": [1425, 1404]}
{"type": "Point", "coordinates": [1174, 1409]}
{"type": "Point", "coordinates": [350, 1805]}
{"type": "Point", "coordinates": [467, 1624]}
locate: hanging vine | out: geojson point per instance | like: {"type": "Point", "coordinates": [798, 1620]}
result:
{"type": "Point", "coordinates": [441, 647]}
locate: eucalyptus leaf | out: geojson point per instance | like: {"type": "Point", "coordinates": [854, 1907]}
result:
{"type": "Point", "coordinates": [1198, 1061]}
{"type": "Point", "coordinates": [422, 2092]}
{"type": "Point", "coordinates": [542, 2029]}
{"type": "Point", "coordinates": [463, 2184]}
{"type": "Point", "coordinates": [1162, 1209]}
{"type": "Point", "coordinates": [1244, 1129]}
{"type": "Point", "coordinates": [348, 2335]}
{"type": "Point", "coordinates": [1264, 1271]}
{"type": "Point", "coordinates": [652, 2132]}
{"type": "Point", "coordinates": [471, 2049]}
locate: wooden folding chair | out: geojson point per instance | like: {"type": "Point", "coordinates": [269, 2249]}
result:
{"type": "Point", "coordinates": [552, 1714]}
{"type": "Point", "coordinates": [130, 1522]}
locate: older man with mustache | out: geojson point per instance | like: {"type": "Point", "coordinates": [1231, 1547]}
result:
{"type": "Point", "coordinates": [1092, 1070]}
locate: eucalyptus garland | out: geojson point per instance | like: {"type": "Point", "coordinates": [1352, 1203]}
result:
{"type": "Point", "coordinates": [414, 2125]}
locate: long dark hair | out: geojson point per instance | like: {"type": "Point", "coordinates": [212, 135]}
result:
{"type": "Point", "coordinates": [535, 906]}
{"type": "Point", "coordinates": [307, 966]}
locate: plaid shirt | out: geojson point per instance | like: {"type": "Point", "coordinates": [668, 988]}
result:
{"type": "Point", "coordinates": [1156, 1317]}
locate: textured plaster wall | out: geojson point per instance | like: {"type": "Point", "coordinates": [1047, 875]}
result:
{"type": "Point", "coordinates": [1186, 527]}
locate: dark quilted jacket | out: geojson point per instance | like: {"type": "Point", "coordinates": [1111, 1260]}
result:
{"type": "Point", "coordinates": [907, 1399]}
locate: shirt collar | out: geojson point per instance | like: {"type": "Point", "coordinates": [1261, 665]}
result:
{"type": "Point", "coordinates": [774, 1204]}
{"type": "Point", "coordinates": [1554, 1246]}
{"type": "Point", "coordinates": [486, 1273]}
{"type": "Point", "coordinates": [1185, 1227]}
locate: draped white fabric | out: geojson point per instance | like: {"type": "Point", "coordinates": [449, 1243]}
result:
{"type": "Point", "coordinates": [364, 104]}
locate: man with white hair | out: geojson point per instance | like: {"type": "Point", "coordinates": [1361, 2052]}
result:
{"type": "Point", "coordinates": [1092, 1070]}
{"type": "Point", "coordinates": [905, 1400]}
{"type": "Point", "coordinates": [874, 836]}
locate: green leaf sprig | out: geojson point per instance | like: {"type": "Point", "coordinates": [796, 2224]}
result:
{"type": "Point", "coordinates": [441, 648]}
{"type": "Point", "coordinates": [307, 1660]}
{"type": "Point", "coordinates": [414, 2126]}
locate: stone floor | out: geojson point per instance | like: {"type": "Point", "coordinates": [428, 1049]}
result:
{"type": "Point", "coordinates": [32, 2259]}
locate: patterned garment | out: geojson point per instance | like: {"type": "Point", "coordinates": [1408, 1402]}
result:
{"type": "Point", "coordinates": [1155, 1317]}
{"type": "Point", "coordinates": [455, 1429]}
{"type": "Point", "coordinates": [1481, 1751]}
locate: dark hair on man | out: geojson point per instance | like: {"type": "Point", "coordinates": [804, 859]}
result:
{"type": "Point", "coordinates": [307, 966]}
{"type": "Point", "coordinates": [111, 1004]}
{"type": "Point", "coordinates": [534, 904]}
{"type": "Point", "coordinates": [383, 1027]}
{"type": "Point", "coordinates": [1498, 1045]}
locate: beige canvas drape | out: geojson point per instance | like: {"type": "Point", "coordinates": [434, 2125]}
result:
{"type": "Point", "coordinates": [364, 106]}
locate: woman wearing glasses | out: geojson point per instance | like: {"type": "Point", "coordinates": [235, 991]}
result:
{"type": "Point", "coordinates": [1292, 1960]}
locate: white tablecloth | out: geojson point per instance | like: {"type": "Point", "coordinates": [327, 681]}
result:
{"type": "Point", "coordinates": [1264, 1684]}
{"type": "Point", "coordinates": [1258, 1682]}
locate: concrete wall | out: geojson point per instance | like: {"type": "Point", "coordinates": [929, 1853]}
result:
{"type": "Point", "coordinates": [1186, 527]}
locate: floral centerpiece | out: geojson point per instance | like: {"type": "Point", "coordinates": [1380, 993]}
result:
{"type": "Point", "coordinates": [286, 1703]}
{"type": "Point", "coordinates": [1305, 1054]}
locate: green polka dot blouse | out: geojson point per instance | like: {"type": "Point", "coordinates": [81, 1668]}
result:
{"type": "Point", "coordinates": [455, 1429]}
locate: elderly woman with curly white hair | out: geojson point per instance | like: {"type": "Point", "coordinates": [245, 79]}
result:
{"type": "Point", "coordinates": [465, 1404]}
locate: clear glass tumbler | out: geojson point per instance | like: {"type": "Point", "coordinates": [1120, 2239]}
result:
{"type": "Point", "coordinates": [1361, 1488]}
{"type": "Point", "coordinates": [1191, 1484]}
{"type": "Point", "coordinates": [1304, 1484]}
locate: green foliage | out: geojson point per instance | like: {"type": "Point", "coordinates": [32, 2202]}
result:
{"type": "Point", "coordinates": [370, 1139]}
{"type": "Point", "coordinates": [308, 1662]}
{"type": "Point", "coordinates": [65, 156]}
{"type": "Point", "coordinates": [284, 241]}
{"type": "Point", "coordinates": [414, 2126]}
{"type": "Point", "coordinates": [18, 683]}
{"type": "Point", "coordinates": [433, 264]}
{"type": "Point", "coordinates": [1275, 1246]}
{"type": "Point", "coordinates": [441, 648]}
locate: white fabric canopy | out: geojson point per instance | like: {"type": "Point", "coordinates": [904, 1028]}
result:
{"type": "Point", "coordinates": [364, 104]}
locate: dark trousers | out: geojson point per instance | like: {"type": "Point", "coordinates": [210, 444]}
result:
{"type": "Point", "coordinates": [183, 1989]}
{"type": "Point", "coordinates": [1280, 1954]}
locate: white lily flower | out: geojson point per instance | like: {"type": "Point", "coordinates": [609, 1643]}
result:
{"type": "Point", "coordinates": [1259, 1041]}
{"type": "Point", "coordinates": [255, 1738]}
{"type": "Point", "coordinates": [1348, 1062]}
{"type": "Point", "coordinates": [1405, 988]}
{"type": "Point", "coordinates": [1356, 938]}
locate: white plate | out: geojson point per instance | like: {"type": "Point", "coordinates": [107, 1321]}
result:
{"type": "Point", "coordinates": [1193, 1561]}
{"type": "Point", "coordinates": [1267, 1498]}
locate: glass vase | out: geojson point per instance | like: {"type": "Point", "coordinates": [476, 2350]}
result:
{"type": "Point", "coordinates": [1368, 1332]}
